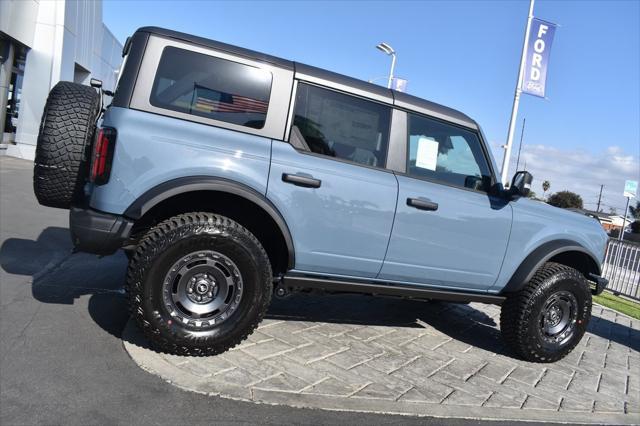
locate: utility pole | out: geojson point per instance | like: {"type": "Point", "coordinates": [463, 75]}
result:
{"type": "Point", "coordinates": [516, 99]}
{"type": "Point", "coordinates": [599, 198]}
{"type": "Point", "coordinates": [524, 121]}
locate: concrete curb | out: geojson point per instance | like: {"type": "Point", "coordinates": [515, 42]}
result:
{"type": "Point", "coordinates": [618, 312]}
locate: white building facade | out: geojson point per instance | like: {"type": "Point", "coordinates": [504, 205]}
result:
{"type": "Point", "coordinates": [43, 42]}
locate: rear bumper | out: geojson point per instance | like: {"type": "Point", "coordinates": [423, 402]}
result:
{"type": "Point", "coordinates": [601, 284]}
{"type": "Point", "coordinates": [96, 232]}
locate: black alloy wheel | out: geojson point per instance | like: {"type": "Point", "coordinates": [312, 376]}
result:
{"type": "Point", "coordinates": [202, 289]}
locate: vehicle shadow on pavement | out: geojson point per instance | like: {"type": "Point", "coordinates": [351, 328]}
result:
{"type": "Point", "coordinates": [460, 322]}
{"type": "Point", "coordinates": [27, 257]}
{"type": "Point", "coordinates": [59, 277]}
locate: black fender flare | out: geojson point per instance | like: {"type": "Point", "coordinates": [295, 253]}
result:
{"type": "Point", "coordinates": [539, 257]}
{"type": "Point", "coordinates": [182, 185]}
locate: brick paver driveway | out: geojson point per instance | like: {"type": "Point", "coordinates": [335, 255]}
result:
{"type": "Point", "coordinates": [426, 358]}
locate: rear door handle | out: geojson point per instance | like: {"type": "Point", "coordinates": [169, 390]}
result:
{"type": "Point", "coordinates": [299, 180]}
{"type": "Point", "coordinates": [421, 204]}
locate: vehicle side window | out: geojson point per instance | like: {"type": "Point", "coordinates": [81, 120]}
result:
{"type": "Point", "coordinates": [211, 87]}
{"type": "Point", "coordinates": [341, 126]}
{"type": "Point", "coordinates": [446, 153]}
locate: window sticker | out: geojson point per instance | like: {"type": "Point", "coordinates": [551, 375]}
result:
{"type": "Point", "coordinates": [427, 155]}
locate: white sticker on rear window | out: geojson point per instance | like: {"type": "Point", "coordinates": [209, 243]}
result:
{"type": "Point", "coordinates": [427, 155]}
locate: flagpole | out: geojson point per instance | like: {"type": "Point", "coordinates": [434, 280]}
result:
{"type": "Point", "coordinates": [516, 99]}
{"type": "Point", "coordinates": [524, 121]}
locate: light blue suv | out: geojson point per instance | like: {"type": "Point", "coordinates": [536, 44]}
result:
{"type": "Point", "coordinates": [229, 175]}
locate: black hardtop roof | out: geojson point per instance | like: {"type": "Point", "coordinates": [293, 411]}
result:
{"type": "Point", "coordinates": [402, 100]}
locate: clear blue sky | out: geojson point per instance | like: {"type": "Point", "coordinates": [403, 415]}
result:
{"type": "Point", "coordinates": [463, 54]}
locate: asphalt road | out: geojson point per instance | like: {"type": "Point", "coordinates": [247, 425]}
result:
{"type": "Point", "coordinates": [61, 319]}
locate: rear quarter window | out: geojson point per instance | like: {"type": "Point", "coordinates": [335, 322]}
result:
{"type": "Point", "coordinates": [211, 87]}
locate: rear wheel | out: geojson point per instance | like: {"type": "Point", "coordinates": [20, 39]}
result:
{"type": "Point", "coordinates": [199, 284]}
{"type": "Point", "coordinates": [545, 320]}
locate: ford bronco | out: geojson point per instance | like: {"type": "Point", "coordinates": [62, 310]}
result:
{"type": "Point", "coordinates": [229, 175]}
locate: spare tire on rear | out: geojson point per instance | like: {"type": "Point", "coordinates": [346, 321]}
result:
{"type": "Point", "coordinates": [63, 153]}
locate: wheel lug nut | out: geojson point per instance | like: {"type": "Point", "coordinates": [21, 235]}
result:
{"type": "Point", "coordinates": [189, 290]}
{"type": "Point", "coordinates": [209, 294]}
{"type": "Point", "coordinates": [199, 298]}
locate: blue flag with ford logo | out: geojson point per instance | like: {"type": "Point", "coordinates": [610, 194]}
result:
{"type": "Point", "coordinates": [537, 60]}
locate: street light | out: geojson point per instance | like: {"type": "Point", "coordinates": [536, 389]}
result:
{"type": "Point", "coordinates": [384, 47]}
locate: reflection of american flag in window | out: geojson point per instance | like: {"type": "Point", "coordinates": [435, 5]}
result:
{"type": "Point", "coordinates": [231, 103]}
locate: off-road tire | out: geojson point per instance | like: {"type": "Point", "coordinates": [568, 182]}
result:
{"type": "Point", "coordinates": [64, 144]}
{"type": "Point", "coordinates": [152, 261]}
{"type": "Point", "coordinates": [521, 312]}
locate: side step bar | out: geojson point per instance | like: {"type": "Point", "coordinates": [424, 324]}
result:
{"type": "Point", "coordinates": [417, 292]}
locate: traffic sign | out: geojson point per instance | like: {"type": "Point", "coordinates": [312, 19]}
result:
{"type": "Point", "coordinates": [631, 188]}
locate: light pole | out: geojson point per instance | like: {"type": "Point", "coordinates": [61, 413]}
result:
{"type": "Point", "coordinates": [384, 47]}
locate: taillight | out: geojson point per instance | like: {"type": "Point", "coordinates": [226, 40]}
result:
{"type": "Point", "coordinates": [103, 155]}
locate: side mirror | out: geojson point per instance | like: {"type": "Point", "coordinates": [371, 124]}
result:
{"type": "Point", "coordinates": [521, 184]}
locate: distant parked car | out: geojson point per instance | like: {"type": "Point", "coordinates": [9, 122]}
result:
{"type": "Point", "coordinates": [227, 175]}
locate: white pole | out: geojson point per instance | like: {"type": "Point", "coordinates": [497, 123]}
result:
{"type": "Point", "coordinates": [624, 220]}
{"type": "Point", "coordinates": [393, 65]}
{"type": "Point", "coordinates": [516, 100]}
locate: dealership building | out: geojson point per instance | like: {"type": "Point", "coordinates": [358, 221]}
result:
{"type": "Point", "coordinates": [41, 43]}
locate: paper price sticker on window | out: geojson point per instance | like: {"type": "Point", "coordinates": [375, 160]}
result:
{"type": "Point", "coordinates": [427, 155]}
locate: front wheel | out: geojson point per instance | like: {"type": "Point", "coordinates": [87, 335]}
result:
{"type": "Point", "coordinates": [198, 284]}
{"type": "Point", "coordinates": [545, 320]}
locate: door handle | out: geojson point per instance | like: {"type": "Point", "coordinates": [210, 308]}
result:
{"type": "Point", "coordinates": [421, 204]}
{"type": "Point", "coordinates": [304, 181]}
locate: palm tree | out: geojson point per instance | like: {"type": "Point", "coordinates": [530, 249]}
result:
{"type": "Point", "coordinates": [545, 187]}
